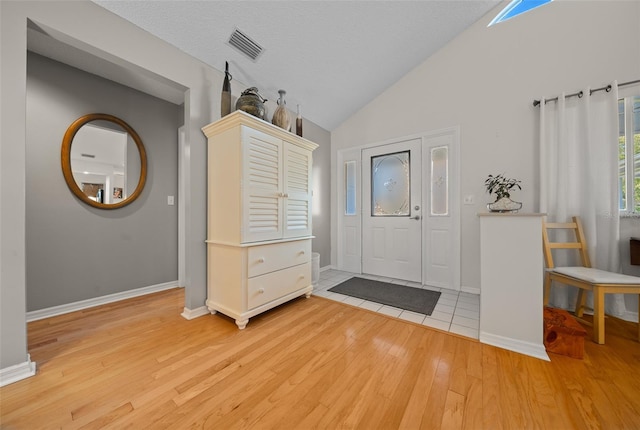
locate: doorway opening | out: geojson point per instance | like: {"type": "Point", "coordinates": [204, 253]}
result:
{"type": "Point", "coordinates": [398, 209]}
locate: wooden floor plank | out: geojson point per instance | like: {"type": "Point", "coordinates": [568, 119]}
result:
{"type": "Point", "coordinates": [435, 401]}
{"type": "Point", "coordinates": [472, 415]}
{"type": "Point", "coordinates": [492, 396]}
{"type": "Point", "coordinates": [412, 417]}
{"type": "Point", "coordinates": [310, 363]}
{"type": "Point", "coordinates": [452, 417]}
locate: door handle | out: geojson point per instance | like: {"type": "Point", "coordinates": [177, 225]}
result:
{"type": "Point", "coordinates": [417, 217]}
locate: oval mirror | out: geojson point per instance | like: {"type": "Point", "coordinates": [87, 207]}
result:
{"type": "Point", "coordinates": [104, 162]}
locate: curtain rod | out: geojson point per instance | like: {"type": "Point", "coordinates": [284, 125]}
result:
{"type": "Point", "coordinates": [581, 93]}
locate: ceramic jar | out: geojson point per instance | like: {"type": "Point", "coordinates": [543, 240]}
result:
{"type": "Point", "coordinates": [281, 116]}
{"type": "Point", "coordinates": [252, 102]}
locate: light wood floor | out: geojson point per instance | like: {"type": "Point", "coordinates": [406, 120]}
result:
{"type": "Point", "coordinates": [311, 363]}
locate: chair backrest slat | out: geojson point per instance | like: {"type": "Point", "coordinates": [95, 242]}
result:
{"type": "Point", "coordinates": [562, 225]}
{"type": "Point", "coordinates": [580, 244]}
{"type": "Point", "coordinates": [565, 245]}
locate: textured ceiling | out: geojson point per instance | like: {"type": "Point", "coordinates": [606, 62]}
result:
{"type": "Point", "coordinates": [332, 57]}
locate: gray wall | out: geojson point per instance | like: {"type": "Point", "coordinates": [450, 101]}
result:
{"type": "Point", "coordinates": [76, 252]}
{"type": "Point", "coordinates": [321, 203]}
{"type": "Point", "coordinates": [113, 39]}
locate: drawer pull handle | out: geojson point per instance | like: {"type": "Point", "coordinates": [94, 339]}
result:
{"type": "Point", "coordinates": [261, 260]}
{"type": "Point", "coordinates": [261, 291]}
{"type": "Point", "coordinates": [301, 252]}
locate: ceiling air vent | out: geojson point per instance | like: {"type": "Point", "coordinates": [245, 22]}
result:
{"type": "Point", "coordinates": [244, 44]}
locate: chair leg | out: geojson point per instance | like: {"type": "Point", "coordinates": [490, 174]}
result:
{"type": "Point", "coordinates": [598, 315]}
{"type": "Point", "coordinates": [547, 289]}
{"type": "Point", "coordinates": [581, 302]}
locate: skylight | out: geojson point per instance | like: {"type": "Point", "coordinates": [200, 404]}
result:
{"type": "Point", "coordinates": [517, 7]}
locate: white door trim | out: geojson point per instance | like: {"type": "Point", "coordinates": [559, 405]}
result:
{"type": "Point", "coordinates": [183, 207]}
{"type": "Point", "coordinates": [349, 154]}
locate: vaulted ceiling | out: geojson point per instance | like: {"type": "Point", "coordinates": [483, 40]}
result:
{"type": "Point", "coordinates": [332, 57]}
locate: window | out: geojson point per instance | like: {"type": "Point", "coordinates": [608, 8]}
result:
{"type": "Point", "coordinates": [629, 154]}
{"type": "Point", "coordinates": [517, 7]}
{"type": "Point", "coordinates": [440, 181]}
{"type": "Point", "coordinates": [350, 188]}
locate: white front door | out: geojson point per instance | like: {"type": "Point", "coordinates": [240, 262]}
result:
{"type": "Point", "coordinates": [392, 210]}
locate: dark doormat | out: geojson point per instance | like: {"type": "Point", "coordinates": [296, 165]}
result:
{"type": "Point", "coordinates": [398, 296]}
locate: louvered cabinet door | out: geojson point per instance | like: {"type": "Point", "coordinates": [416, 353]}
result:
{"type": "Point", "coordinates": [262, 183]}
{"type": "Point", "coordinates": [297, 191]}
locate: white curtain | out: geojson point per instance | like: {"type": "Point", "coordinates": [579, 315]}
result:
{"type": "Point", "coordinates": [579, 176]}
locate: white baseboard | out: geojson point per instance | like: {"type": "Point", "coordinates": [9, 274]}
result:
{"type": "Point", "coordinates": [630, 316]}
{"type": "Point", "coordinates": [97, 301]}
{"type": "Point", "coordinates": [18, 372]}
{"type": "Point", "coordinates": [470, 290]}
{"type": "Point", "coordinates": [190, 314]}
{"type": "Point", "coordinates": [519, 346]}
{"type": "Point", "coordinates": [325, 268]}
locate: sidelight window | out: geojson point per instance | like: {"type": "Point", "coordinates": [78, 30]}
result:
{"type": "Point", "coordinates": [629, 154]}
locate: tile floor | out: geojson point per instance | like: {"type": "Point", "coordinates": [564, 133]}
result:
{"type": "Point", "coordinates": [456, 312]}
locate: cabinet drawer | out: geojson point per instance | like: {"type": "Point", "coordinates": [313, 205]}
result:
{"type": "Point", "coordinates": [265, 288]}
{"type": "Point", "coordinates": [269, 258]}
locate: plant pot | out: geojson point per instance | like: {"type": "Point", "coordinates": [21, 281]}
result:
{"type": "Point", "coordinates": [504, 204]}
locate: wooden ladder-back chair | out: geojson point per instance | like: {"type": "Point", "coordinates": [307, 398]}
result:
{"type": "Point", "coordinates": [584, 277]}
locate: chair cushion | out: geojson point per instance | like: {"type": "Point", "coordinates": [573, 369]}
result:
{"type": "Point", "coordinates": [596, 276]}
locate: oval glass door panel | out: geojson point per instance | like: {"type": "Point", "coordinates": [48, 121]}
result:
{"type": "Point", "coordinates": [390, 188]}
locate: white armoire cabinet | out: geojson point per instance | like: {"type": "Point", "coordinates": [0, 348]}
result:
{"type": "Point", "coordinates": [259, 216]}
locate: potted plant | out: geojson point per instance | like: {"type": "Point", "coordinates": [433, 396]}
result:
{"type": "Point", "coordinates": [502, 187]}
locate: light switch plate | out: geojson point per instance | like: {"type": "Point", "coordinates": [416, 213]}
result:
{"type": "Point", "coordinates": [170, 200]}
{"type": "Point", "coordinates": [468, 199]}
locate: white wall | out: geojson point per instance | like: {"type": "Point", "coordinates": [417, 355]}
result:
{"type": "Point", "coordinates": [485, 81]}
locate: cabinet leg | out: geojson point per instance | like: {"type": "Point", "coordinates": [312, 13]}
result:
{"type": "Point", "coordinates": [242, 323]}
{"type": "Point", "coordinates": [308, 294]}
{"type": "Point", "coordinates": [212, 311]}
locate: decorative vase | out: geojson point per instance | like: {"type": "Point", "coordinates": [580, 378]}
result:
{"type": "Point", "coordinates": [251, 102]}
{"type": "Point", "coordinates": [281, 116]}
{"type": "Point", "coordinates": [505, 204]}
{"type": "Point", "coordinates": [225, 98]}
{"type": "Point", "coordinates": [299, 123]}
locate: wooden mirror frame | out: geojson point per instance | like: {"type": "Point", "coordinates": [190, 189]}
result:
{"type": "Point", "coordinates": [67, 140]}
